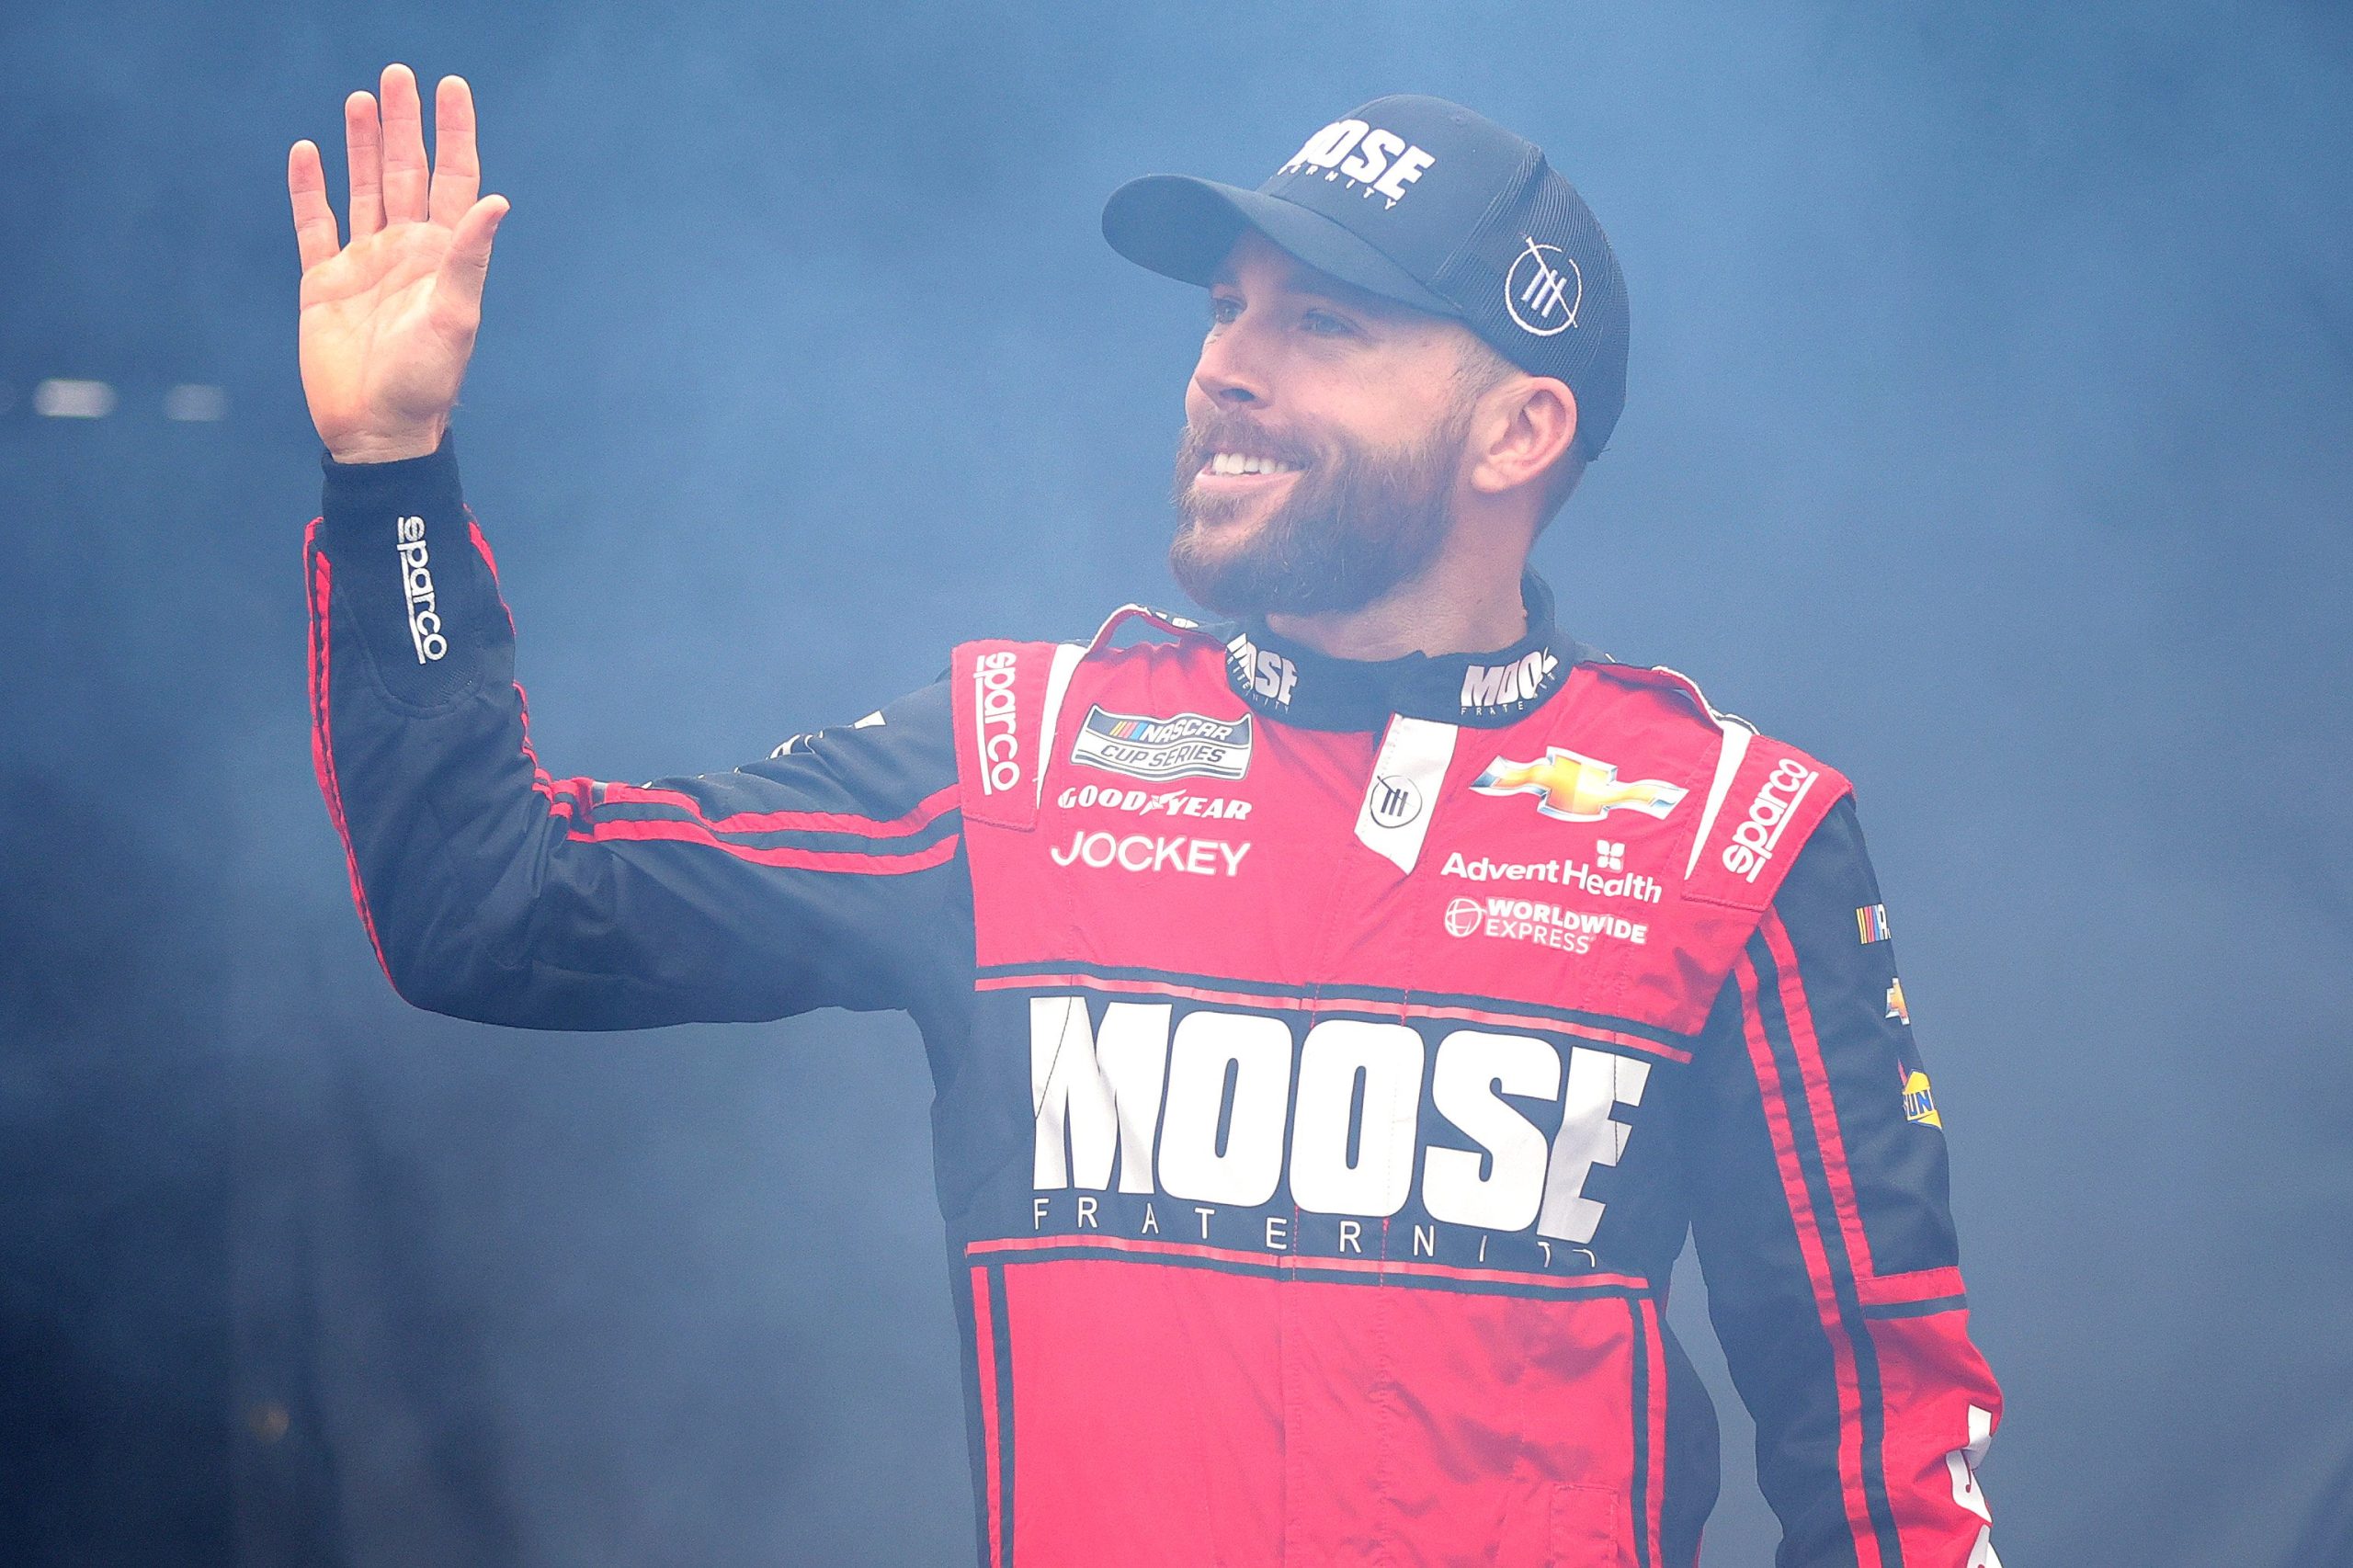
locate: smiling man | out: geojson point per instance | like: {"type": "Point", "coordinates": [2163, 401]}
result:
{"type": "Point", "coordinates": [1314, 505]}
{"type": "Point", "coordinates": [1341, 1017]}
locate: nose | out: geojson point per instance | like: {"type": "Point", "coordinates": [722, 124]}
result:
{"type": "Point", "coordinates": [1228, 373]}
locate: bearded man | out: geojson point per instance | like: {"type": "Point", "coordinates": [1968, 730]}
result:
{"type": "Point", "coordinates": [1340, 1018]}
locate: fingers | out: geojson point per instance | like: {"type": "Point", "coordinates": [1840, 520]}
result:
{"type": "Point", "coordinates": [306, 184]}
{"type": "Point", "coordinates": [363, 156]}
{"type": "Point", "coordinates": [456, 175]}
{"type": "Point", "coordinates": [468, 263]}
{"type": "Point", "coordinates": [404, 169]}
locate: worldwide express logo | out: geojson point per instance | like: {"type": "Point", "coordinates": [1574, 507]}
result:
{"type": "Point", "coordinates": [1546, 924]}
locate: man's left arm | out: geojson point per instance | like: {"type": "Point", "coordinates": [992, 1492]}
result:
{"type": "Point", "coordinates": [1826, 1237]}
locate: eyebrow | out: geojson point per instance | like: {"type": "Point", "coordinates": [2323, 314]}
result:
{"type": "Point", "coordinates": [1225, 278]}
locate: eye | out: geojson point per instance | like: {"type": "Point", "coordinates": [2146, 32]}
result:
{"type": "Point", "coordinates": [1223, 308]}
{"type": "Point", "coordinates": [1324, 323]}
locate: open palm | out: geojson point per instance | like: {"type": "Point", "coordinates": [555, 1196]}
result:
{"type": "Point", "coordinates": [388, 321]}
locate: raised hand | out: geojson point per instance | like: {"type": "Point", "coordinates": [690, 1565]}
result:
{"type": "Point", "coordinates": [388, 321]}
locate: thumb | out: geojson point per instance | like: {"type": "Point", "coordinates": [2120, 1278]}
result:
{"type": "Point", "coordinates": [467, 264]}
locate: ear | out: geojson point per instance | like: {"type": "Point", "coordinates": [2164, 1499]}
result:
{"type": "Point", "coordinates": [1524, 427]}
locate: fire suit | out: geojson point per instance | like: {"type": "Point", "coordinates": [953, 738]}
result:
{"type": "Point", "coordinates": [1330, 1058]}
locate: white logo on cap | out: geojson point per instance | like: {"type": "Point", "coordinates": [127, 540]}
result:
{"type": "Point", "coordinates": [1546, 291]}
{"type": "Point", "coordinates": [1382, 162]}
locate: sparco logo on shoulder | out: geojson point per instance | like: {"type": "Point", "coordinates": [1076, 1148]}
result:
{"type": "Point", "coordinates": [1752, 841]}
{"type": "Point", "coordinates": [999, 740]}
{"type": "Point", "coordinates": [416, 585]}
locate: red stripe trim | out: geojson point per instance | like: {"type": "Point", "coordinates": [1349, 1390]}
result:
{"type": "Point", "coordinates": [540, 782]}
{"type": "Point", "coordinates": [984, 1341]}
{"type": "Point", "coordinates": [855, 862]}
{"type": "Point", "coordinates": [1294, 1261]}
{"type": "Point", "coordinates": [1838, 1174]}
{"type": "Point", "coordinates": [1921, 1285]}
{"type": "Point", "coordinates": [928, 810]}
{"type": "Point", "coordinates": [321, 587]}
{"type": "Point", "coordinates": [1817, 1267]}
{"type": "Point", "coordinates": [573, 797]}
{"type": "Point", "coordinates": [1326, 998]}
{"type": "Point", "coordinates": [1815, 1075]}
{"type": "Point", "coordinates": [1654, 1505]}
{"type": "Point", "coordinates": [481, 547]}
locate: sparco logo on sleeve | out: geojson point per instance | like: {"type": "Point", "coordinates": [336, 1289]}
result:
{"type": "Point", "coordinates": [1180, 746]}
{"type": "Point", "coordinates": [1768, 815]}
{"type": "Point", "coordinates": [999, 741]}
{"type": "Point", "coordinates": [417, 583]}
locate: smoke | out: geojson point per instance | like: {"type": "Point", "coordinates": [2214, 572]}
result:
{"type": "Point", "coordinates": [1986, 435]}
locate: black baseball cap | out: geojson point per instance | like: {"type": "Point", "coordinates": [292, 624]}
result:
{"type": "Point", "coordinates": [1423, 202]}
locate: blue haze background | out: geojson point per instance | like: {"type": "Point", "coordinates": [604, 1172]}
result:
{"type": "Point", "coordinates": [1992, 389]}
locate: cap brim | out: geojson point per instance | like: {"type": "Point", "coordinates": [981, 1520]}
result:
{"type": "Point", "coordinates": [1182, 228]}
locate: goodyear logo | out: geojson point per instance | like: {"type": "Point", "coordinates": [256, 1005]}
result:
{"type": "Point", "coordinates": [1577, 788]}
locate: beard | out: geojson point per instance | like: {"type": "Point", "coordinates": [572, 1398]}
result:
{"type": "Point", "coordinates": [1358, 520]}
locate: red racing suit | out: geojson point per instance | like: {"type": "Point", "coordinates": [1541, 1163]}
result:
{"type": "Point", "coordinates": [1332, 1058]}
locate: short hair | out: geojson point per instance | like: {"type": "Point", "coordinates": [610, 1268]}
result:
{"type": "Point", "coordinates": [1479, 371]}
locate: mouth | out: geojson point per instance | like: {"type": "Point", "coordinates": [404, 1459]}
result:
{"type": "Point", "coordinates": [1238, 473]}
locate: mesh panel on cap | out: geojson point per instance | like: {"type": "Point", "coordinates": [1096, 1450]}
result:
{"type": "Point", "coordinates": [1574, 327]}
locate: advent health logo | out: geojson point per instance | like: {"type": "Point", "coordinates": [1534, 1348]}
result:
{"type": "Point", "coordinates": [1607, 879]}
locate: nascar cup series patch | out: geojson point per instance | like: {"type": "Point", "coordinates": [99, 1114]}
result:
{"type": "Point", "coordinates": [1183, 745]}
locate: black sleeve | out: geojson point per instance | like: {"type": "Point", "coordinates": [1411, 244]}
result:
{"type": "Point", "coordinates": [1833, 1281]}
{"type": "Point", "coordinates": [830, 874]}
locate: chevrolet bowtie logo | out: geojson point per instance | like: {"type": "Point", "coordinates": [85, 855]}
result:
{"type": "Point", "coordinates": [1576, 788]}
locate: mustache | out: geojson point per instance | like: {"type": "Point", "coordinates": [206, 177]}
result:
{"type": "Point", "coordinates": [1197, 442]}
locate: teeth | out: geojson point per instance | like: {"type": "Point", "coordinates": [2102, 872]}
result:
{"type": "Point", "coordinates": [1234, 462]}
